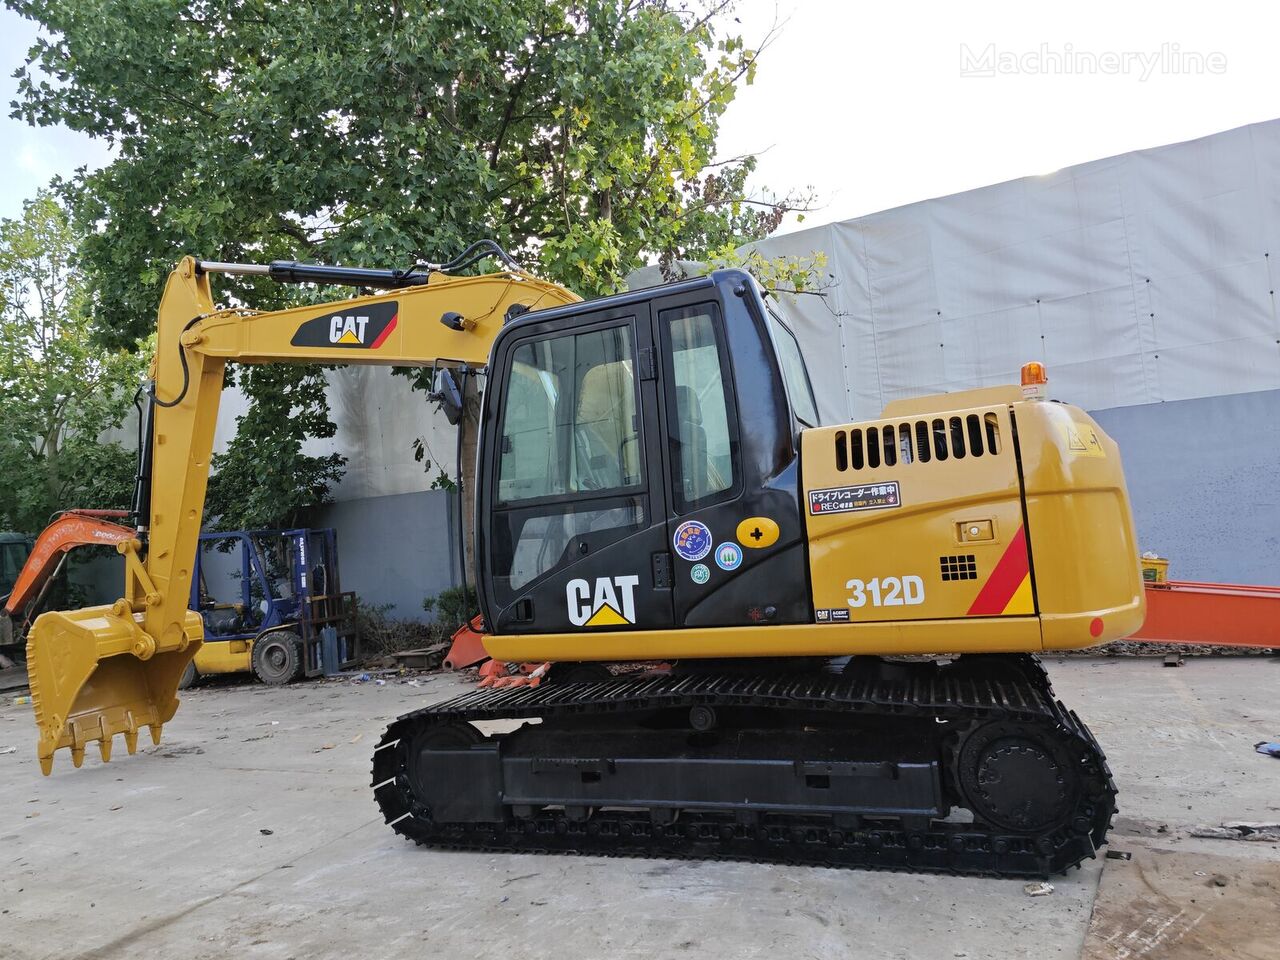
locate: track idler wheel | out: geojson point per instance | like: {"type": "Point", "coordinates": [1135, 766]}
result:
{"type": "Point", "coordinates": [1018, 779]}
{"type": "Point", "coordinates": [423, 779]}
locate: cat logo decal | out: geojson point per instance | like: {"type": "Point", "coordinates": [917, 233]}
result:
{"type": "Point", "coordinates": [611, 602]}
{"type": "Point", "coordinates": [366, 329]}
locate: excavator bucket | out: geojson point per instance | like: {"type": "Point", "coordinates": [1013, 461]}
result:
{"type": "Point", "coordinates": [89, 684]}
{"type": "Point", "coordinates": [468, 645]}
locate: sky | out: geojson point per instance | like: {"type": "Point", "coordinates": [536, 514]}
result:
{"type": "Point", "coordinates": [877, 105]}
{"type": "Point", "coordinates": [32, 156]}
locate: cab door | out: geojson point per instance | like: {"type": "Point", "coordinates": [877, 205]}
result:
{"type": "Point", "coordinates": [572, 518]}
{"type": "Point", "coordinates": [702, 458]}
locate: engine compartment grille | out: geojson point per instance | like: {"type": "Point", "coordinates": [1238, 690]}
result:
{"type": "Point", "coordinates": [921, 441]}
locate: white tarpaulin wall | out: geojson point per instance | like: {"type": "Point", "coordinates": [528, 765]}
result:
{"type": "Point", "coordinates": [1137, 279]}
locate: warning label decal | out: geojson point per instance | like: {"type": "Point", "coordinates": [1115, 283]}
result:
{"type": "Point", "coordinates": [871, 496]}
{"type": "Point", "coordinates": [1082, 440]}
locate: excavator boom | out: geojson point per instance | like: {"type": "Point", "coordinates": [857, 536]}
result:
{"type": "Point", "coordinates": [110, 670]}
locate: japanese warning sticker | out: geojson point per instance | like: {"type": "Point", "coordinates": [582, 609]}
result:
{"type": "Point", "coordinates": [871, 496]}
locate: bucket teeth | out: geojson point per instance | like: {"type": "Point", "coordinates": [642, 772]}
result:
{"type": "Point", "coordinates": [88, 684]}
{"type": "Point", "coordinates": [46, 765]}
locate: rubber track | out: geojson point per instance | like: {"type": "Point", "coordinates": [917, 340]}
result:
{"type": "Point", "coordinates": [960, 848]}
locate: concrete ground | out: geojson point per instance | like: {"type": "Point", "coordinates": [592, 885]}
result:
{"type": "Point", "coordinates": [168, 854]}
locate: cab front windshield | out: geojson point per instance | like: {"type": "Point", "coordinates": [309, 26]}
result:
{"type": "Point", "coordinates": [794, 371]}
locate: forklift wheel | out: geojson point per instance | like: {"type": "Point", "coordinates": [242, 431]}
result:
{"type": "Point", "coordinates": [189, 676]}
{"type": "Point", "coordinates": [277, 657]}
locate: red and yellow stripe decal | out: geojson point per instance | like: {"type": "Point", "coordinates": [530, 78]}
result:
{"type": "Point", "coordinates": [386, 332]}
{"type": "Point", "coordinates": [1008, 590]}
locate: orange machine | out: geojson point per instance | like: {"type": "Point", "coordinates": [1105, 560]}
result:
{"type": "Point", "coordinates": [69, 529]}
{"type": "Point", "coordinates": [1213, 614]}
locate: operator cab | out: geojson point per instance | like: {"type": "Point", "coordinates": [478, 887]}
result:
{"type": "Point", "coordinates": [638, 465]}
{"type": "Point", "coordinates": [14, 550]}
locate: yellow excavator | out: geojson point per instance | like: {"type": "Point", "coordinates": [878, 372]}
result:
{"type": "Point", "coordinates": [849, 614]}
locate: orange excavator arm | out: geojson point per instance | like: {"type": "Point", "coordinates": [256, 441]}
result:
{"type": "Point", "coordinates": [70, 529]}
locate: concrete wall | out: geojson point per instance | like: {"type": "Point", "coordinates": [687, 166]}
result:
{"type": "Point", "coordinates": [1204, 477]}
{"type": "Point", "coordinates": [397, 538]}
{"type": "Point", "coordinates": [397, 549]}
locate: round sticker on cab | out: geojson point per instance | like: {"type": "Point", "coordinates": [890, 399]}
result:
{"type": "Point", "coordinates": [692, 540]}
{"type": "Point", "coordinates": [728, 556]}
{"type": "Point", "coordinates": [700, 573]}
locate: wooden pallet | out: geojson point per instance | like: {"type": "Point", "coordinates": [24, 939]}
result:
{"type": "Point", "coordinates": [423, 658]}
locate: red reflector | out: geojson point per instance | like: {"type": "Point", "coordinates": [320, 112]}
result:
{"type": "Point", "coordinates": [1095, 627]}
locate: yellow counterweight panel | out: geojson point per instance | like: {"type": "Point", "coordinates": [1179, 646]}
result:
{"type": "Point", "coordinates": [932, 491]}
{"type": "Point", "coordinates": [1088, 575]}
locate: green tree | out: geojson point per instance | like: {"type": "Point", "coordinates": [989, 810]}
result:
{"type": "Point", "coordinates": [579, 134]}
{"type": "Point", "coordinates": [61, 390]}
{"type": "Point", "coordinates": [264, 480]}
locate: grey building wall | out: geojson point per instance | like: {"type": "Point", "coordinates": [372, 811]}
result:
{"type": "Point", "coordinates": [1204, 477]}
{"type": "Point", "coordinates": [397, 538]}
{"type": "Point", "coordinates": [393, 550]}
{"type": "Point", "coordinates": [1147, 284]}
{"type": "Point", "coordinates": [397, 549]}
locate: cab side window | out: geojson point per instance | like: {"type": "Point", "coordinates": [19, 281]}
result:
{"type": "Point", "coordinates": [570, 422]}
{"type": "Point", "coordinates": [570, 467]}
{"type": "Point", "coordinates": [702, 434]}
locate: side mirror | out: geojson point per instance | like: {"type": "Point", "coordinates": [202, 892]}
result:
{"type": "Point", "coordinates": [449, 394]}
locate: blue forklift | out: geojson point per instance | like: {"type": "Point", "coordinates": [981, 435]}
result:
{"type": "Point", "coordinates": [272, 603]}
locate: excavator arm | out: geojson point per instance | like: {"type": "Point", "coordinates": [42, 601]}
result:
{"type": "Point", "coordinates": [110, 670]}
{"type": "Point", "coordinates": [69, 529]}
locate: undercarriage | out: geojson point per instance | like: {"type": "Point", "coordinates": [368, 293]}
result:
{"type": "Point", "coordinates": [972, 767]}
